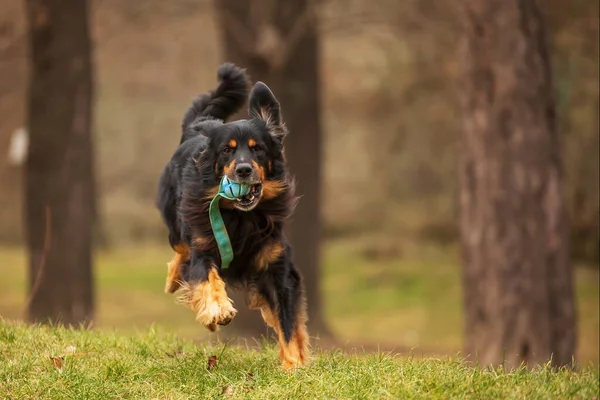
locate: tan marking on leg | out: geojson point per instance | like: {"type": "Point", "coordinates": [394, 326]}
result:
{"type": "Point", "coordinates": [270, 252]}
{"type": "Point", "coordinates": [256, 301]}
{"type": "Point", "coordinates": [296, 352]}
{"type": "Point", "coordinates": [182, 255]}
{"type": "Point", "coordinates": [209, 301]}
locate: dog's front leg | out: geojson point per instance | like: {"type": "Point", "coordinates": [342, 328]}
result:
{"type": "Point", "coordinates": [204, 292]}
{"type": "Point", "coordinates": [182, 255]}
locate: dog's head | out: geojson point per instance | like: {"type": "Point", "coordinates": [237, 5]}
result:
{"type": "Point", "coordinates": [250, 151]}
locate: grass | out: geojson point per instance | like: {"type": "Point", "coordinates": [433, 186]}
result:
{"type": "Point", "coordinates": [57, 363]}
{"type": "Point", "coordinates": [402, 297]}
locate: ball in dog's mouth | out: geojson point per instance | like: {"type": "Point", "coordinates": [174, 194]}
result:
{"type": "Point", "coordinates": [251, 199]}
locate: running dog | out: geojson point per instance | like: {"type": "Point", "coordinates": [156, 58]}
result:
{"type": "Point", "coordinates": [249, 152]}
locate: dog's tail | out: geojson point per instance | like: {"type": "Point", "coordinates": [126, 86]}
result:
{"type": "Point", "coordinates": [224, 101]}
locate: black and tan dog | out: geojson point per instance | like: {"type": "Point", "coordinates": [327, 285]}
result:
{"type": "Point", "coordinates": [248, 151]}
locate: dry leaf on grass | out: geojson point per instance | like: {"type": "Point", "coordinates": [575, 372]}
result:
{"type": "Point", "coordinates": [212, 361]}
{"type": "Point", "coordinates": [227, 390]}
{"type": "Point", "coordinates": [57, 362]}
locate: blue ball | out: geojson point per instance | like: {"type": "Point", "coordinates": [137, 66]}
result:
{"type": "Point", "coordinates": [232, 190]}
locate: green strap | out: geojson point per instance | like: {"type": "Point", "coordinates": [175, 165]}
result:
{"type": "Point", "coordinates": [227, 190]}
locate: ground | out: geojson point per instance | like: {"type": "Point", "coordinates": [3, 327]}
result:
{"type": "Point", "coordinates": [56, 363]}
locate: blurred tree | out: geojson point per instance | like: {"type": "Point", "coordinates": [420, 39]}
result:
{"type": "Point", "coordinates": [518, 280]}
{"type": "Point", "coordinates": [278, 43]}
{"type": "Point", "coordinates": [59, 187]}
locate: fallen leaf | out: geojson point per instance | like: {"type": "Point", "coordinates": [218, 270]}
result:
{"type": "Point", "coordinates": [57, 362]}
{"type": "Point", "coordinates": [227, 390]}
{"type": "Point", "coordinates": [212, 361]}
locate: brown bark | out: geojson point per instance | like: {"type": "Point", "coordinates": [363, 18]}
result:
{"type": "Point", "coordinates": [278, 44]}
{"type": "Point", "coordinates": [59, 187]}
{"type": "Point", "coordinates": [518, 281]}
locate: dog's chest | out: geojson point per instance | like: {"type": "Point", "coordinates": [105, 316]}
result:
{"type": "Point", "coordinates": [248, 232]}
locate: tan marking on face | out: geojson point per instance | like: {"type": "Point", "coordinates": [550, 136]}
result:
{"type": "Point", "coordinates": [232, 143]}
{"type": "Point", "coordinates": [229, 169]}
{"type": "Point", "coordinates": [209, 301]}
{"type": "Point", "coordinates": [270, 253]}
{"type": "Point", "coordinates": [251, 143]}
{"type": "Point", "coordinates": [260, 169]}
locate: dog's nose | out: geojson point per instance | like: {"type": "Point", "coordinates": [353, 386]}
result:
{"type": "Point", "coordinates": [243, 170]}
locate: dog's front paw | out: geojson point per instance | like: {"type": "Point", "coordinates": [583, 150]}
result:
{"type": "Point", "coordinates": [209, 301]}
{"type": "Point", "coordinates": [217, 311]}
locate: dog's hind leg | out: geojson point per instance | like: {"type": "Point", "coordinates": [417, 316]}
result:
{"type": "Point", "coordinates": [285, 312]}
{"type": "Point", "coordinates": [182, 255]}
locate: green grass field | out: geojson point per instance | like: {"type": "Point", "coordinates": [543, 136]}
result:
{"type": "Point", "coordinates": [408, 299]}
{"type": "Point", "coordinates": [56, 363]}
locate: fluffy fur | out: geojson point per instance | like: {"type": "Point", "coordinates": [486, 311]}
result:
{"type": "Point", "coordinates": [249, 151]}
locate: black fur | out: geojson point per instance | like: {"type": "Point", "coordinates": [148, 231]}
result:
{"type": "Point", "coordinates": [191, 177]}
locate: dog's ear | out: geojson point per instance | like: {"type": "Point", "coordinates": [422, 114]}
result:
{"type": "Point", "coordinates": [263, 105]}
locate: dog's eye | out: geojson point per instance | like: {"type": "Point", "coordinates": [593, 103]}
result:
{"type": "Point", "coordinates": [256, 148]}
{"type": "Point", "coordinates": [227, 150]}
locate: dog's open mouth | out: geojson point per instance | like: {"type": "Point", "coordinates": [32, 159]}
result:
{"type": "Point", "coordinates": [248, 201]}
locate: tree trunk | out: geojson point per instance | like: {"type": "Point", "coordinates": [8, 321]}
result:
{"type": "Point", "coordinates": [59, 187]}
{"type": "Point", "coordinates": [518, 281]}
{"type": "Point", "coordinates": [278, 43]}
